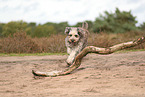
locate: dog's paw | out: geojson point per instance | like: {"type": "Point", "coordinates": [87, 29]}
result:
{"type": "Point", "coordinates": [69, 61]}
{"type": "Point", "coordinates": [68, 64]}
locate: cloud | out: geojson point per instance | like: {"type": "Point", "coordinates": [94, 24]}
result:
{"type": "Point", "coordinates": [73, 11]}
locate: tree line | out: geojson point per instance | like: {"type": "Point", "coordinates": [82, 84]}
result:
{"type": "Point", "coordinates": [117, 22]}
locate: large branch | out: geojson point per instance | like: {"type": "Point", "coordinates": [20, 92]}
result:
{"type": "Point", "coordinates": [85, 51]}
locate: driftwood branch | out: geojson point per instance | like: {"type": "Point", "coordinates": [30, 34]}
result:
{"type": "Point", "coordinates": [85, 51]}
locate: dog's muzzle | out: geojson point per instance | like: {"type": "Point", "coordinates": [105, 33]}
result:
{"type": "Point", "coordinates": [73, 42]}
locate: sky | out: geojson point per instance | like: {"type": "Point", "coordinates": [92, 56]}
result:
{"type": "Point", "coordinates": [72, 11]}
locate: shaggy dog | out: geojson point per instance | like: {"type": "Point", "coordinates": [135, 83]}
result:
{"type": "Point", "coordinates": [75, 41]}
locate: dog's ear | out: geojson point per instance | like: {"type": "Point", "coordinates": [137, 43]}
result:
{"type": "Point", "coordinates": [67, 30]}
{"type": "Point", "coordinates": [85, 25]}
{"type": "Point", "coordinates": [80, 31]}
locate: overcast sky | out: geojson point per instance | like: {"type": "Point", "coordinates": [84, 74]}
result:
{"type": "Point", "coordinates": [73, 11]}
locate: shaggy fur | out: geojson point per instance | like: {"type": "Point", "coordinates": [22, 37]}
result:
{"type": "Point", "coordinates": [75, 41]}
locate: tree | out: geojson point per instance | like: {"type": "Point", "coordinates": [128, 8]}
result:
{"type": "Point", "coordinates": [30, 28]}
{"type": "Point", "coordinates": [61, 27]}
{"type": "Point", "coordinates": [13, 27]}
{"type": "Point", "coordinates": [43, 31]}
{"type": "Point", "coordinates": [1, 28]}
{"type": "Point", "coordinates": [142, 26]}
{"type": "Point", "coordinates": [90, 24]}
{"type": "Point", "coordinates": [118, 22]}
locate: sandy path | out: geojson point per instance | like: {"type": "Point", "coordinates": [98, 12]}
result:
{"type": "Point", "coordinates": [114, 75]}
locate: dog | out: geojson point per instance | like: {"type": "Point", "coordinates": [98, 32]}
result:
{"type": "Point", "coordinates": [75, 41]}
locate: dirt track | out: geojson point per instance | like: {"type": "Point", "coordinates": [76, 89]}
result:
{"type": "Point", "coordinates": [114, 75]}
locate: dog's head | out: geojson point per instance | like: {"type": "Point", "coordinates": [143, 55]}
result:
{"type": "Point", "coordinates": [74, 34]}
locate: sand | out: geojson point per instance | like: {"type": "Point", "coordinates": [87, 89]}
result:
{"type": "Point", "coordinates": [114, 75]}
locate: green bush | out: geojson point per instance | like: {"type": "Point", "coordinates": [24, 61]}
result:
{"type": "Point", "coordinates": [12, 27]}
{"type": "Point", "coordinates": [118, 22]}
{"type": "Point", "coordinates": [43, 31]}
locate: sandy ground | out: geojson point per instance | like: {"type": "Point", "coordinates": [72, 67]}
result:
{"type": "Point", "coordinates": [114, 75]}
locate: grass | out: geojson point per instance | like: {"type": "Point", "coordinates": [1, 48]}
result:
{"type": "Point", "coordinates": [31, 54]}
{"type": "Point", "coordinates": [126, 51]}
{"type": "Point", "coordinates": [45, 54]}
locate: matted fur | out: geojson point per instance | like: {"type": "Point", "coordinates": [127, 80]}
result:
{"type": "Point", "coordinates": [75, 41]}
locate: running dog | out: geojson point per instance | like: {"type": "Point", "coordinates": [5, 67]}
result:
{"type": "Point", "coordinates": [75, 41]}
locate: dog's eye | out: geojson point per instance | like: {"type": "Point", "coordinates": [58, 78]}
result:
{"type": "Point", "coordinates": [70, 35]}
{"type": "Point", "coordinates": [76, 35]}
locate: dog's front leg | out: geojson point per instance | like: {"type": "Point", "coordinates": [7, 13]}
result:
{"type": "Point", "coordinates": [71, 58]}
{"type": "Point", "coordinates": [72, 54]}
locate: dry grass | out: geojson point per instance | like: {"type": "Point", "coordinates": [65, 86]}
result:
{"type": "Point", "coordinates": [18, 43]}
{"type": "Point", "coordinates": [22, 43]}
{"type": "Point", "coordinates": [107, 40]}
{"type": "Point", "coordinates": [53, 44]}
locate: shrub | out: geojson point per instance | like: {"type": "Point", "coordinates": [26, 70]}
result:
{"type": "Point", "coordinates": [19, 42]}
{"type": "Point", "coordinates": [22, 43]}
{"type": "Point", "coordinates": [107, 40]}
{"type": "Point", "coordinates": [52, 44]}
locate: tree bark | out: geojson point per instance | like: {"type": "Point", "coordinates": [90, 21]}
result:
{"type": "Point", "coordinates": [85, 51]}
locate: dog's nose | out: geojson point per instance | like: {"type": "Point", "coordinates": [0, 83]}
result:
{"type": "Point", "coordinates": [72, 40]}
